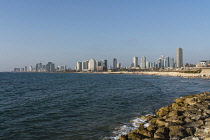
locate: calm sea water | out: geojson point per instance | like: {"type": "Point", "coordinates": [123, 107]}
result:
{"type": "Point", "coordinates": [82, 106]}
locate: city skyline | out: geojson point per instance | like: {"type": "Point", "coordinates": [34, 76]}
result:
{"type": "Point", "coordinates": [102, 65]}
{"type": "Point", "coordinates": [65, 32]}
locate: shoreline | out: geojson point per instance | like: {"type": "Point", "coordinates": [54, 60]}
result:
{"type": "Point", "coordinates": [188, 118]}
{"type": "Point", "coordinates": [161, 73]}
{"type": "Point", "coordinates": [174, 74]}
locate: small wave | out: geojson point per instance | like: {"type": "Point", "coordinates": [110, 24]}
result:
{"type": "Point", "coordinates": [126, 128]}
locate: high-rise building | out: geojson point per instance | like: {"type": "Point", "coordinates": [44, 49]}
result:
{"type": "Point", "coordinates": [79, 66]}
{"type": "Point", "coordinates": [92, 65]}
{"type": "Point", "coordinates": [50, 67]}
{"type": "Point", "coordinates": [147, 65]}
{"type": "Point", "coordinates": [114, 63]}
{"type": "Point", "coordinates": [179, 57]}
{"type": "Point", "coordinates": [104, 64]}
{"type": "Point", "coordinates": [162, 61]}
{"type": "Point", "coordinates": [30, 69]}
{"type": "Point", "coordinates": [167, 62]}
{"type": "Point", "coordinates": [171, 62]}
{"type": "Point", "coordinates": [159, 63]}
{"type": "Point", "coordinates": [85, 65]}
{"type": "Point", "coordinates": [26, 69]}
{"type": "Point", "coordinates": [118, 65]}
{"type": "Point", "coordinates": [143, 62]}
{"type": "Point", "coordinates": [135, 62]}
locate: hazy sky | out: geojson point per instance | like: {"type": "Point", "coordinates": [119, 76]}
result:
{"type": "Point", "coordinates": [67, 31]}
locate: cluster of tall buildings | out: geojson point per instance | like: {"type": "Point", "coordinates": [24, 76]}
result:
{"type": "Point", "coordinates": [92, 65]}
{"type": "Point", "coordinates": [39, 67]}
{"type": "Point", "coordinates": [162, 62]}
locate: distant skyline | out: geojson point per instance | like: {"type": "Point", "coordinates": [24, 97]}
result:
{"type": "Point", "coordinates": [68, 31]}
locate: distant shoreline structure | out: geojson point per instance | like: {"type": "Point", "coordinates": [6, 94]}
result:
{"type": "Point", "coordinates": [205, 73]}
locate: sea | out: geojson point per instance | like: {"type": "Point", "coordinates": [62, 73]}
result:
{"type": "Point", "coordinates": [75, 106]}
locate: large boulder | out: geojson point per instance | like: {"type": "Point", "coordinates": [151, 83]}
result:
{"type": "Point", "coordinates": [163, 111]}
{"type": "Point", "coordinates": [177, 130]}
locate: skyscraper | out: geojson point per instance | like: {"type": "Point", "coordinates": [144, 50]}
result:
{"type": "Point", "coordinates": [179, 57]}
{"type": "Point", "coordinates": [50, 67]}
{"type": "Point", "coordinates": [143, 62]}
{"type": "Point", "coordinates": [92, 65]}
{"type": "Point", "coordinates": [162, 61]}
{"type": "Point", "coordinates": [114, 63]}
{"type": "Point", "coordinates": [171, 62]}
{"type": "Point", "coordinates": [135, 62]}
{"type": "Point", "coordinates": [119, 65]}
{"type": "Point", "coordinates": [79, 66]}
{"type": "Point", "coordinates": [167, 64]}
{"type": "Point", "coordinates": [85, 65]}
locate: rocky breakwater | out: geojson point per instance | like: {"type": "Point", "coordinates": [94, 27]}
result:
{"type": "Point", "coordinates": [188, 118]}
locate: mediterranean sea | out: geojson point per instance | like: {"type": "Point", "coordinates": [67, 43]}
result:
{"type": "Point", "coordinates": [71, 106]}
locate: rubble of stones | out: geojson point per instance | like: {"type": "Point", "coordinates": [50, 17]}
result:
{"type": "Point", "coordinates": [186, 119]}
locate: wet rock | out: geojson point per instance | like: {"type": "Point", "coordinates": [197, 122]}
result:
{"type": "Point", "coordinates": [161, 122]}
{"type": "Point", "coordinates": [147, 118]}
{"type": "Point", "coordinates": [123, 137]}
{"type": "Point", "coordinates": [144, 132]}
{"type": "Point", "coordinates": [187, 119]}
{"type": "Point", "coordinates": [151, 128]}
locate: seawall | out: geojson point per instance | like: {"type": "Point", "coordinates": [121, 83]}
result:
{"type": "Point", "coordinates": [188, 118]}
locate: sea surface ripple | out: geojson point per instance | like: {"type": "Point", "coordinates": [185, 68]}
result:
{"type": "Point", "coordinates": [72, 106]}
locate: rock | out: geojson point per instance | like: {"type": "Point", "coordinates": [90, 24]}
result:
{"type": "Point", "coordinates": [207, 124]}
{"type": "Point", "coordinates": [162, 130]}
{"type": "Point", "coordinates": [190, 131]}
{"type": "Point", "coordinates": [161, 122]}
{"type": "Point", "coordinates": [163, 111]}
{"type": "Point", "coordinates": [200, 122]}
{"type": "Point", "coordinates": [134, 136]}
{"type": "Point", "coordinates": [188, 120]}
{"type": "Point", "coordinates": [144, 132]}
{"type": "Point", "coordinates": [191, 138]}
{"type": "Point", "coordinates": [176, 106]}
{"type": "Point", "coordinates": [175, 120]}
{"type": "Point", "coordinates": [202, 132]}
{"type": "Point", "coordinates": [147, 118]}
{"type": "Point", "coordinates": [160, 136]}
{"type": "Point", "coordinates": [153, 121]}
{"type": "Point", "coordinates": [151, 127]}
{"type": "Point", "coordinates": [123, 137]}
{"type": "Point", "coordinates": [177, 130]}
{"type": "Point", "coordinates": [190, 101]}
{"type": "Point", "coordinates": [173, 113]}
{"type": "Point", "coordinates": [207, 119]}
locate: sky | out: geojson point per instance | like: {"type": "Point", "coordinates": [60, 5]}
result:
{"type": "Point", "coordinates": [69, 31]}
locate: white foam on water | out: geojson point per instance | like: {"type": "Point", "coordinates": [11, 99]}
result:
{"type": "Point", "coordinates": [126, 128]}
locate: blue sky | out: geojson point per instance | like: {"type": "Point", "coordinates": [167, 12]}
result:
{"type": "Point", "coordinates": [67, 31]}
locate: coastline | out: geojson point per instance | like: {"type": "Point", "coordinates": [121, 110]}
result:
{"type": "Point", "coordinates": [204, 75]}
{"type": "Point", "coordinates": [175, 74]}
{"type": "Point", "coordinates": [188, 118]}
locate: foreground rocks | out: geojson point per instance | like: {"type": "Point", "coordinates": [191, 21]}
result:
{"type": "Point", "coordinates": [186, 119]}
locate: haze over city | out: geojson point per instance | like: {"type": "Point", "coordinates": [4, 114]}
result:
{"type": "Point", "coordinates": [65, 32]}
